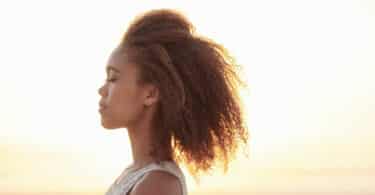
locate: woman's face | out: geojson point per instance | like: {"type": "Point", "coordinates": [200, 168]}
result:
{"type": "Point", "coordinates": [122, 100]}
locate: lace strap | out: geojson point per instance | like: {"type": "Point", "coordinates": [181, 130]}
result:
{"type": "Point", "coordinates": [170, 168]}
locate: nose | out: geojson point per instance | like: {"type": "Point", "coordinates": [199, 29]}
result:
{"type": "Point", "coordinates": [101, 91]}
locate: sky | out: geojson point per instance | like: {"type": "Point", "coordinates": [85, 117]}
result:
{"type": "Point", "coordinates": [310, 106]}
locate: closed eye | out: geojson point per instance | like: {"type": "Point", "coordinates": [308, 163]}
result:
{"type": "Point", "coordinates": [111, 80]}
{"type": "Point", "coordinates": [111, 77]}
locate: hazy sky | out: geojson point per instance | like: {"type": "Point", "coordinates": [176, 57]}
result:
{"type": "Point", "coordinates": [310, 67]}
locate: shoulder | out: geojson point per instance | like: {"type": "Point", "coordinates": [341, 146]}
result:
{"type": "Point", "coordinates": [158, 183]}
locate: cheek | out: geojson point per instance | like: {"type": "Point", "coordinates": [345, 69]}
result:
{"type": "Point", "coordinates": [127, 107]}
{"type": "Point", "coordinates": [132, 107]}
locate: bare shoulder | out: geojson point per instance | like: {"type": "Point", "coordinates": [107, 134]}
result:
{"type": "Point", "coordinates": [158, 183]}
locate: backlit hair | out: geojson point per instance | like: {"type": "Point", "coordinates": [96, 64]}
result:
{"type": "Point", "coordinates": [199, 121]}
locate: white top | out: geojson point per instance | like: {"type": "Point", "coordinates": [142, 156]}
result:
{"type": "Point", "coordinates": [129, 178]}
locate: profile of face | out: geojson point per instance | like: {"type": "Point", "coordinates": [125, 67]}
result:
{"type": "Point", "coordinates": [123, 101]}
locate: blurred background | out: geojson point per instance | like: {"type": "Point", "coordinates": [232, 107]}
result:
{"type": "Point", "coordinates": [310, 107]}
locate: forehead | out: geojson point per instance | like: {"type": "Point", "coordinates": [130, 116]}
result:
{"type": "Point", "coordinates": [116, 61]}
{"type": "Point", "coordinates": [119, 62]}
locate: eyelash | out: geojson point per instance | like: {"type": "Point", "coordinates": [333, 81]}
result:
{"type": "Point", "coordinates": [111, 80]}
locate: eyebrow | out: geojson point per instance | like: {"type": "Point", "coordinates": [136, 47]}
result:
{"type": "Point", "coordinates": [112, 68]}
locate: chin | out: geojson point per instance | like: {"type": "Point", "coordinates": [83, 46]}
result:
{"type": "Point", "coordinates": [107, 125]}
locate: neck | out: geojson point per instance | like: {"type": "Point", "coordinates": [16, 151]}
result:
{"type": "Point", "coordinates": [141, 138]}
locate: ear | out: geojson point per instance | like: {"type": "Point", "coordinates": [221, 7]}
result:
{"type": "Point", "coordinates": [151, 95]}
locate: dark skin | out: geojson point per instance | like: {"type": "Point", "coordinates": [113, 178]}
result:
{"type": "Point", "coordinates": [126, 104]}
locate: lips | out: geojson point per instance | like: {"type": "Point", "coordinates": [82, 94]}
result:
{"type": "Point", "coordinates": [101, 106]}
{"type": "Point", "coordinates": [101, 109]}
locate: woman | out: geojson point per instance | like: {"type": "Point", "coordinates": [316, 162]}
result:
{"type": "Point", "coordinates": [176, 94]}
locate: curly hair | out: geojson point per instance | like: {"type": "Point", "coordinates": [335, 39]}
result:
{"type": "Point", "coordinates": [199, 121]}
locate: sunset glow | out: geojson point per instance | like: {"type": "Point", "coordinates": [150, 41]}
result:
{"type": "Point", "coordinates": [310, 106]}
